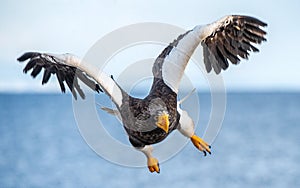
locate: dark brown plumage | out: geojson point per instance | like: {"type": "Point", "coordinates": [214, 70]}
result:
{"type": "Point", "coordinates": [233, 38]}
{"type": "Point", "coordinates": [64, 73]}
{"type": "Point", "coordinates": [138, 115]}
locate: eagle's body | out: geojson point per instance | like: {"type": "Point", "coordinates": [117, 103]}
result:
{"type": "Point", "coordinates": [150, 120]}
{"type": "Point", "coordinates": [138, 119]}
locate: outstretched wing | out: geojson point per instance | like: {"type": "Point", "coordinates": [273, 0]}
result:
{"type": "Point", "coordinates": [231, 38]}
{"type": "Point", "coordinates": [68, 69]}
{"type": "Point", "coordinates": [53, 65]}
{"type": "Point", "coordinates": [227, 39]}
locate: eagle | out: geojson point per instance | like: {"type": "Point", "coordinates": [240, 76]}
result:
{"type": "Point", "coordinates": [150, 120]}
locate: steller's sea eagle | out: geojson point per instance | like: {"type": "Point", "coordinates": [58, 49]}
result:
{"type": "Point", "coordinates": [150, 120]}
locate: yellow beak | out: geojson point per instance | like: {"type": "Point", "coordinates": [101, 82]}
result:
{"type": "Point", "coordinates": [163, 122]}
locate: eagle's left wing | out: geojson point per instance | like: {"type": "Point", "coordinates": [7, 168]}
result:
{"type": "Point", "coordinates": [223, 41]}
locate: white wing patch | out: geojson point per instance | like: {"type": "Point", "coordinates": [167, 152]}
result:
{"type": "Point", "coordinates": [110, 87]}
{"type": "Point", "coordinates": [176, 61]}
{"type": "Point", "coordinates": [106, 82]}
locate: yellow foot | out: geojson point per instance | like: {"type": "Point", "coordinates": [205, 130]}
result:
{"type": "Point", "coordinates": [200, 144]}
{"type": "Point", "coordinates": [153, 165]}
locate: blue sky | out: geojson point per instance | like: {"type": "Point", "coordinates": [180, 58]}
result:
{"type": "Point", "coordinates": [73, 26]}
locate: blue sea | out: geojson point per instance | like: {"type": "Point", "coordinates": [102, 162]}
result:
{"type": "Point", "coordinates": [258, 146]}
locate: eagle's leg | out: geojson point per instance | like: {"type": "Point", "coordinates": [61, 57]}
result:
{"type": "Point", "coordinates": [186, 127]}
{"type": "Point", "coordinates": [152, 162]}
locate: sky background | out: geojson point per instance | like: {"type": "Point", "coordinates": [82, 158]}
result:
{"type": "Point", "coordinates": [61, 26]}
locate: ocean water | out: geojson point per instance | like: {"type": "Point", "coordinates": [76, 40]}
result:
{"type": "Point", "coordinates": [258, 146]}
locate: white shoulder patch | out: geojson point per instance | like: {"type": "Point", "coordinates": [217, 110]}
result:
{"type": "Point", "coordinates": [186, 123]}
{"type": "Point", "coordinates": [106, 82]}
{"type": "Point", "coordinates": [175, 63]}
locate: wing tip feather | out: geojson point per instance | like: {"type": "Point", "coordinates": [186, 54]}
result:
{"type": "Point", "coordinates": [27, 55]}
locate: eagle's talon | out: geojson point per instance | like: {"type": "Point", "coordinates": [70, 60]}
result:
{"type": "Point", "coordinates": [201, 144]}
{"type": "Point", "coordinates": [153, 165]}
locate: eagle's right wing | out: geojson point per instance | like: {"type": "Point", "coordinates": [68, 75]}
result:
{"type": "Point", "coordinates": [68, 69]}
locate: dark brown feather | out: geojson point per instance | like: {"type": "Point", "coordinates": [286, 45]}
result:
{"type": "Point", "coordinates": [46, 76]}
{"type": "Point", "coordinates": [28, 55]}
{"type": "Point", "coordinates": [60, 78]}
{"type": "Point", "coordinates": [36, 70]}
{"type": "Point", "coordinates": [29, 65]}
{"type": "Point", "coordinates": [235, 37]}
